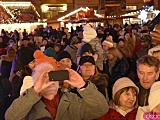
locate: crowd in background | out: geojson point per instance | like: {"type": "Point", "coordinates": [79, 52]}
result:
{"type": "Point", "coordinates": [123, 62]}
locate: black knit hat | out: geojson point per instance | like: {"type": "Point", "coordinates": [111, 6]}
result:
{"type": "Point", "coordinates": [85, 59]}
{"type": "Point", "coordinates": [63, 54]}
{"type": "Point", "coordinates": [86, 48]}
{"type": "Point", "coordinates": [25, 55]}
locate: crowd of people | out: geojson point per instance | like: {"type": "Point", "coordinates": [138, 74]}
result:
{"type": "Point", "coordinates": [113, 73]}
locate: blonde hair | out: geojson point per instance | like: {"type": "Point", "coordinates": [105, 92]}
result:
{"type": "Point", "coordinates": [115, 52]}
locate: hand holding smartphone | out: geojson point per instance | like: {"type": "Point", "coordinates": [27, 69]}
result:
{"type": "Point", "coordinates": [58, 75]}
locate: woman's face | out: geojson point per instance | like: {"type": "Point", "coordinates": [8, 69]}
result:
{"type": "Point", "coordinates": [121, 44]}
{"type": "Point", "coordinates": [65, 62]}
{"type": "Point", "coordinates": [127, 36]}
{"type": "Point", "coordinates": [45, 42]}
{"type": "Point", "coordinates": [128, 99]}
{"type": "Point", "coordinates": [110, 56]}
{"type": "Point", "coordinates": [87, 69]}
{"type": "Point", "coordinates": [57, 49]}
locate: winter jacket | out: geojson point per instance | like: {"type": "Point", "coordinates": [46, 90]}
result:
{"type": "Point", "coordinates": [97, 48]}
{"type": "Point", "coordinates": [119, 70]}
{"type": "Point", "coordinates": [143, 95]}
{"type": "Point", "coordinates": [113, 114]}
{"type": "Point", "coordinates": [72, 50]}
{"type": "Point", "coordinates": [101, 82]}
{"type": "Point", "coordinates": [90, 105]}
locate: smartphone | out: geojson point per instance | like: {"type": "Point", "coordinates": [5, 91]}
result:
{"type": "Point", "coordinates": [58, 75]}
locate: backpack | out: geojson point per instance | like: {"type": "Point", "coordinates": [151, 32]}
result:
{"type": "Point", "coordinates": [5, 96]}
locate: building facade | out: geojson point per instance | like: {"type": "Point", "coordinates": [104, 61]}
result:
{"type": "Point", "coordinates": [52, 9]}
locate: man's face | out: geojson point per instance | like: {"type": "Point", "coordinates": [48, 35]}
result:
{"type": "Point", "coordinates": [147, 75]}
{"type": "Point", "coordinates": [50, 91]}
{"type": "Point", "coordinates": [65, 62]}
{"type": "Point", "coordinates": [87, 69]}
{"type": "Point", "coordinates": [144, 44]}
{"type": "Point", "coordinates": [87, 54]}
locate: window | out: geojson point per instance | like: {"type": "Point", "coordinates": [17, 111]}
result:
{"type": "Point", "coordinates": [131, 7]}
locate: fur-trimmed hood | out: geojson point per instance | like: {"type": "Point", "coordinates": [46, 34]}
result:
{"type": "Point", "coordinates": [100, 80]}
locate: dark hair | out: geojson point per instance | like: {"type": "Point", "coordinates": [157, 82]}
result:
{"type": "Point", "coordinates": [149, 61]}
{"type": "Point", "coordinates": [120, 39]}
{"type": "Point", "coordinates": [126, 33]}
{"type": "Point", "coordinates": [27, 71]}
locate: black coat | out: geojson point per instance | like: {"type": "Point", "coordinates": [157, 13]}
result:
{"type": "Point", "coordinates": [119, 70]}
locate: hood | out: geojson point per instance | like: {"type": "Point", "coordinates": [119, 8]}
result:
{"type": "Point", "coordinates": [88, 33]}
{"type": "Point", "coordinates": [99, 79]}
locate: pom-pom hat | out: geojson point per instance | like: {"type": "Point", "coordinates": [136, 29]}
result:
{"type": "Point", "coordinates": [40, 58]}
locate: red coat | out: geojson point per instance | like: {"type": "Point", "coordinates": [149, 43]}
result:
{"type": "Point", "coordinates": [114, 115]}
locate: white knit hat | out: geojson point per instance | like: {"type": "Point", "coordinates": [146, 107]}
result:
{"type": "Point", "coordinates": [122, 83]}
{"type": "Point", "coordinates": [153, 99]}
{"type": "Point", "coordinates": [88, 33]}
{"type": "Point", "coordinates": [108, 42]}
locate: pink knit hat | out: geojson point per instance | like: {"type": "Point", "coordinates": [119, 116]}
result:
{"type": "Point", "coordinates": [153, 98]}
{"type": "Point", "coordinates": [122, 83]}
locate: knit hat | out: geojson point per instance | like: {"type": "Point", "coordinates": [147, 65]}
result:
{"type": "Point", "coordinates": [108, 42]}
{"type": "Point", "coordinates": [50, 52]}
{"type": "Point", "coordinates": [75, 40]}
{"type": "Point", "coordinates": [153, 99]}
{"type": "Point", "coordinates": [40, 58]}
{"type": "Point", "coordinates": [63, 54]}
{"type": "Point", "coordinates": [25, 55]}
{"type": "Point", "coordinates": [86, 48]}
{"type": "Point", "coordinates": [146, 38]}
{"type": "Point", "coordinates": [122, 83]}
{"type": "Point", "coordinates": [85, 59]}
{"type": "Point", "coordinates": [88, 33]}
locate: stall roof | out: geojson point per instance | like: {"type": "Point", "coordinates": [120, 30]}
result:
{"type": "Point", "coordinates": [76, 15]}
{"type": "Point", "coordinates": [5, 14]}
{"type": "Point", "coordinates": [21, 11]}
